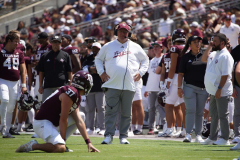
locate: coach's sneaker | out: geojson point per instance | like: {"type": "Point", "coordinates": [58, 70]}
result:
{"type": "Point", "coordinates": [221, 141]}
{"type": "Point", "coordinates": [107, 140]}
{"type": "Point", "coordinates": [187, 138]}
{"type": "Point", "coordinates": [198, 139]}
{"type": "Point", "coordinates": [236, 147]}
{"type": "Point", "coordinates": [26, 147]}
{"type": "Point", "coordinates": [150, 132]}
{"type": "Point", "coordinates": [207, 141]}
{"type": "Point", "coordinates": [124, 141]}
{"type": "Point", "coordinates": [236, 140]}
{"type": "Point", "coordinates": [101, 132]}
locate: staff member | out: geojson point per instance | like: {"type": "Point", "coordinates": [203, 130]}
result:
{"type": "Point", "coordinates": [192, 69]}
{"type": "Point", "coordinates": [218, 83]}
{"type": "Point", "coordinates": [55, 67]}
{"type": "Point", "coordinates": [122, 59]}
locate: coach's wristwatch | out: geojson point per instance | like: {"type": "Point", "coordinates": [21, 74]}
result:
{"type": "Point", "coordinates": [219, 87]}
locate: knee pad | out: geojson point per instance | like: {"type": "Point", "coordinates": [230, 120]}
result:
{"type": "Point", "coordinates": [82, 116]}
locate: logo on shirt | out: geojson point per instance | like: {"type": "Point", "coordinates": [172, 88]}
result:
{"type": "Point", "coordinates": [48, 60]}
{"type": "Point", "coordinates": [190, 60]}
{"type": "Point", "coordinates": [3, 51]}
{"type": "Point", "coordinates": [62, 60]}
{"type": "Point", "coordinates": [122, 47]}
{"type": "Point", "coordinates": [17, 53]}
{"type": "Point", "coordinates": [119, 54]}
{"type": "Point", "coordinates": [216, 61]}
{"type": "Point", "coordinates": [211, 58]}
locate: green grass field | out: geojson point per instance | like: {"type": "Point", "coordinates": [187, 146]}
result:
{"type": "Point", "coordinates": [138, 149]}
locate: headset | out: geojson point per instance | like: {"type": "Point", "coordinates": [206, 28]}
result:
{"type": "Point", "coordinates": [116, 29]}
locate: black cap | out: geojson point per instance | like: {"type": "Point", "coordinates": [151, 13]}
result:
{"type": "Point", "coordinates": [42, 35]}
{"type": "Point", "coordinates": [192, 38]}
{"type": "Point", "coordinates": [205, 41]}
{"type": "Point", "coordinates": [91, 39]}
{"type": "Point", "coordinates": [68, 37]}
{"type": "Point", "coordinates": [56, 38]}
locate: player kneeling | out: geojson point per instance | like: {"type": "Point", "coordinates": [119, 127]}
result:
{"type": "Point", "coordinates": [60, 109]}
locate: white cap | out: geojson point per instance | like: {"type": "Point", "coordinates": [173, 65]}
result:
{"type": "Point", "coordinates": [63, 20]}
{"type": "Point", "coordinates": [97, 23]}
{"type": "Point", "coordinates": [117, 20]}
{"type": "Point", "coordinates": [129, 22]}
{"type": "Point", "coordinates": [66, 28]}
{"type": "Point", "coordinates": [194, 24]}
{"type": "Point", "coordinates": [96, 44]}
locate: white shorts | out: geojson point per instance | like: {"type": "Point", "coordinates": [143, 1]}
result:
{"type": "Point", "coordinates": [145, 102]}
{"type": "Point", "coordinates": [137, 95]}
{"type": "Point", "coordinates": [9, 93]}
{"type": "Point", "coordinates": [47, 131]}
{"type": "Point", "coordinates": [36, 93]}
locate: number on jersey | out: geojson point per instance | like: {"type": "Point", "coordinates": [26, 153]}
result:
{"type": "Point", "coordinates": [70, 92]}
{"type": "Point", "coordinates": [11, 63]}
{"type": "Point", "coordinates": [167, 65]}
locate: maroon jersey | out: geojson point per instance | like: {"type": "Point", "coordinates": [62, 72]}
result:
{"type": "Point", "coordinates": [51, 107]}
{"type": "Point", "coordinates": [177, 49]}
{"type": "Point", "coordinates": [19, 47]}
{"type": "Point", "coordinates": [71, 50]}
{"type": "Point", "coordinates": [9, 64]}
{"type": "Point", "coordinates": [166, 60]}
{"type": "Point", "coordinates": [27, 61]}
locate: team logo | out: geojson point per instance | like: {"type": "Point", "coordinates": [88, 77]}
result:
{"type": "Point", "coordinates": [211, 58]}
{"type": "Point", "coordinates": [216, 61]}
{"type": "Point", "coordinates": [3, 51]}
{"type": "Point", "coordinates": [62, 60]}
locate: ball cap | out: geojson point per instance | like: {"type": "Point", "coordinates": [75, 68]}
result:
{"type": "Point", "coordinates": [157, 43]}
{"type": "Point", "coordinates": [97, 44]}
{"type": "Point", "coordinates": [124, 26]}
{"type": "Point", "coordinates": [192, 38]}
{"type": "Point", "coordinates": [56, 38]}
{"type": "Point", "coordinates": [42, 35]}
{"type": "Point", "coordinates": [68, 37]}
{"type": "Point", "coordinates": [228, 17]}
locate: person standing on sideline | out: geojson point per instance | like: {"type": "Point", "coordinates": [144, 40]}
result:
{"type": "Point", "coordinates": [219, 85]}
{"type": "Point", "coordinates": [11, 68]}
{"type": "Point", "coordinates": [152, 87]}
{"type": "Point", "coordinates": [55, 67]}
{"type": "Point", "coordinates": [96, 98]}
{"type": "Point", "coordinates": [192, 69]}
{"type": "Point", "coordinates": [122, 59]}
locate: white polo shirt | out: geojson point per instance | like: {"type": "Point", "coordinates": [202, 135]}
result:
{"type": "Point", "coordinates": [220, 63]}
{"type": "Point", "coordinates": [231, 33]}
{"type": "Point", "coordinates": [121, 60]}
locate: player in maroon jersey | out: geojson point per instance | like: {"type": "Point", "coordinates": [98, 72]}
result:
{"type": "Point", "coordinates": [12, 66]}
{"type": "Point", "coordinates": [61, 109]}
{"type": "Point", "coordinates": [72, 51]}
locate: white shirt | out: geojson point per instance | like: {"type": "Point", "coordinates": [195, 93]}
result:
{"type": "Point", "coordinates": [121, 60]}
{"type": "Point", "coordinates": [231, 33]}
{"type": "Point", "coordinates": [153, 78]}
{"type": "Point", "coordinates": [164, 27]}
{"type": "Point", "coordinates": [220, 63]}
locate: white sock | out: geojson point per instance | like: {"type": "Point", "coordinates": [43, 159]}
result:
{"type": "Point", "coordinates": [139, 128]}
{"type": "Point", "coordinates": [19, 126]}
{"type": "Point", "coordinates": [179, 129]}
{"type": "Point", "coordinates": [3, 112]}
{"type": "Point", "coordinates": [8, 121]}
{"type": "Point", "coordinates": [31, 115]}
{"type": "Point", "coordinates": [184, 130]}
{"type": "Point", "coordinates": [23, 124]}
{"type": "Point", "coordinates": [133, 127]}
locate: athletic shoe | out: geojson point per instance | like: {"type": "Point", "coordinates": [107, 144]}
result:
{"type": "Point", "coordinates": [68, 150]}
{"type": "Point", "coordinates": [207, 141]}
{"type": "Point", "coordinates": [30, 128]}
{"type": "Point", "coordinates": [116, 133]}
{"type": "Point", "coordinates": [90, 132]}
{"type": "Point", "coordinates": [76, 132]}
{"type": "Point", "coordinates": [236, 147]}
{"type": "Point", "coordinates": [124, 141]}
{"type": "Point", "coordinates": [130, 134]}
{"type": "Point", "coordinates": [187, 138]}
{"type": "Point", "coordinates": [13, 132]}
{"type": "Point", "coordinates": [182, 134]}
{"type": "Point", "coordinates": [155, 131]}
{"type": "Point", "coordinates": [160, 127]}
{"type": "Point", "coordinates": [26, 147]}
{"type": "Point", "coordinates": [3, 130]}
{"type": "Point", "coordinates": [150, 132]}
{"type": "Point", "coordinates": [107, 140]}
{"type": "Point", "coordinates": [97, 130]}
{"type": "Point", "coordinates": [177, 134]}
{"type": "Point", "coordinates": [198, 139]}
{"type": "Point", "coordinates": [221, 141]}
{"type": "Point", "coordinates": [169, 132]}
{"type": "Point", "coordinates": [162, 134]}
{"type": "Point", "coordinates": [137, 132]}
{"type": "Point", "coordinates": [231, 134]}
{"type": "Point", "coordinates": [8, 135]}
{"type": "Point", "coordinates": [236, 140]}
{"type": "Point", "coordinates": [35, 136]}
{"type": "Point", "coordinates": [101, 132]}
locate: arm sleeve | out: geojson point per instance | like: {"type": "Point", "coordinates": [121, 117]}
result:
{"type": "Point", "coordinates": [69, 63]}
{"type": "Point", "coordinates": [182, 66]}
{"type": "Point", "coordinates": [99, 59]}
{"type": "Point", "coordinates": [144, 61]}
{"type": "Point", "coordinates": [227, 65]}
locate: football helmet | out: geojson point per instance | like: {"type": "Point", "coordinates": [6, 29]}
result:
{"type": "Point", "coordinates": [206, 129]}
{"type": "Point", "coordinates": [178, 35]}
{"type": "Point", "coordinates": [25, 102]}
{"type": "Point", "coordinates": [82, 80]}
{"type": "Point", "coordinates": [162, 98]}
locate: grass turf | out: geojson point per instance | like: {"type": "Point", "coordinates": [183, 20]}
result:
{"type": "Point", "coordinates": [138, 149]}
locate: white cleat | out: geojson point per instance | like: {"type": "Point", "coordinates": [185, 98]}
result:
{"type": "Point", "coordinates": [107, 140]}
{"type": "Point", "coordinates": [187, 138]}
{"type": "Point", "coordinates": [198, 139]}
{"type": "Point", "coordinates": [207, 142]}
{"type": "Point", "coordinates": [236, 140]}
{"type": "Point", "coordinates": [90, 132]}
{"type": "Point", "coordinates": [101, 132]}
{"type": "Point", "coordinates": [177, 134]}
{"type": "Point", "coordinates": [236, 147]}
{"type": "Point", "coordinates": [221, 141]}
{"type": "Point", "coordinates": [76, 132]}
{"type": "Point", "coordinates": [26, 147]}
{"type": "Point", "coordinates": [124, 141]}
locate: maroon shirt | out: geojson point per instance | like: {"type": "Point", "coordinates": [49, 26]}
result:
{"type": "Point", "coordinates": [177, 49]}
{"type": "Point", "coordinates": [27, 61]}
{"type": "Point", "coordinates": [166, 60]}
{"type": "Point", "coordinates": [71, 50]}
{"type": "Point", "coordinates": [9, 64]}
{"type": "Point", "coordinates": [51, 107]}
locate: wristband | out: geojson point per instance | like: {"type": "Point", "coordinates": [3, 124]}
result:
{"type": "Point", "coordinates": [87, 141]}
{"type": "Point", "coordinates": [169, 80]}
{"type": "Point", "coordinates": [24, 85]}
{"type": "Point", "coordinates": [219, 87]}
{"type": "Point", "coordinates": [179, 87]}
